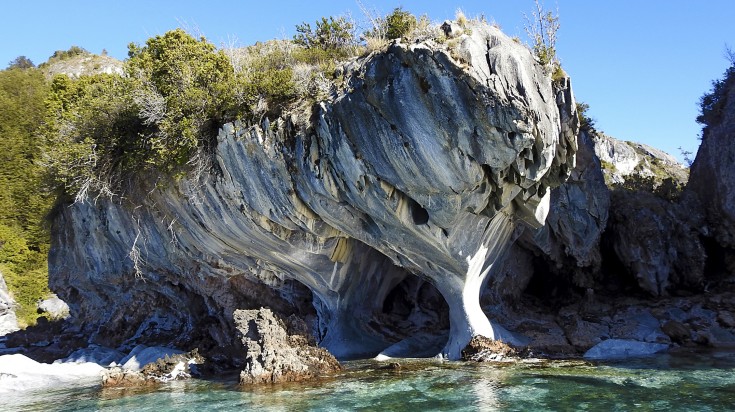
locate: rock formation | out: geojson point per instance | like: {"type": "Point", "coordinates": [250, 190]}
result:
{"type": "Point", "coordinates": [280, 350]}
{"type": "Point", "coordinates": [712, 181]}
{"type": "Point", "coordinates": [422, 164]}
{"type": "Point", "coordinates": [8, 320]}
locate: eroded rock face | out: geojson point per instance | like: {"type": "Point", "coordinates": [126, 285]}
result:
{"type": "Point", "coordinates": [8, 320]}
{"type": "Point", "coordinates": [423, 164]}
{"type": "Point", "coordinates": [568, 246]}
{"type": "Point", "coordinates": [279, 350]}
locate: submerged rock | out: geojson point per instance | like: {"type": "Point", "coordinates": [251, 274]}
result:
{"type": "Point", "coordinates": [278, 350]}
{"type": "Point", "coordinates": [623, 348]}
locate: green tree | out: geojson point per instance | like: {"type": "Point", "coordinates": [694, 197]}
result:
{"type": "Point", "coordinates": [542, 27]}
{"type": "Point", "coordinates": [399, 23]}
{"type": "Point", "coordinates": [21, 62]}
{"type": "Point", "coordinates": [330, 34]}
{"type": "Point", "coordinates": [24, 200]}
{"type": "Point", "coordinates": [712, 104]}
{"type": "Point", "coordinates": [586, 123]}
{"type": "Point", "coordinates": [106, 132]}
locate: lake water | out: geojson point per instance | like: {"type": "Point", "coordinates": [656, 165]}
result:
{"type": "Point", "coordinates": [672, 382]}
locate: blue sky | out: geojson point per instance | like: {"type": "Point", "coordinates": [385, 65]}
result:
{"type": "Point", "coordinates": [640, 65]}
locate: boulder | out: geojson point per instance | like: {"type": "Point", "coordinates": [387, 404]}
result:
{"type": "Point", "coordinates": [56, 308]}
{"type": "Point", "coordinates": [277, 349]}
{"type": "Point", "coordinates": [100, 355]}
{"type": "Point", "coordinates": [8, 320]}
{"type": "Point", "coordinates": [168, 368]}
{"type": "Point", "coordinates": [623, 348]}
{"type": "Point", "coordinates": [143, 355]}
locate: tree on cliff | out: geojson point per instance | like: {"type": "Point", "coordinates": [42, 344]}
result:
{"type": "Point", "coordinates": [105, 129]}
{"type": "Point", "coordinates": [712, 104]}
{"type": "Point", "coordinates": [542, 27]}
{"type": "Point", "coordinates": [21, 62]}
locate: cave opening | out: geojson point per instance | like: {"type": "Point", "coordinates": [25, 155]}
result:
{"type": "Point", "coordinates": [415, 310]}
{"type": "Point", "coordinates": [549, 287]}
{"type": "Point", "coordinates": [419, 215]}
{"type": "Point", "coordinates": [720, 261]}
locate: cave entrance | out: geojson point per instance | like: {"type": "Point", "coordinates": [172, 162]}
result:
{"type": "Point", "coordinates": [415, 316]}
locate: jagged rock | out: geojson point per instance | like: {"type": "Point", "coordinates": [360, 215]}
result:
{"type": "Point", "coordinates": [8, 320]}
{"type": "Point", "coordinates": [623, 161]}
{"type": "Point", "coordinates": [163, 369]}
{"type": "Point", "coordinates": [712, 179]}
{"type": "Point", "coordinates": [420, 165]}
{"type": "Point", "coordinates": [579, 212]}
{"type": "Point", "coordinates": [623, 348]}
{"type": "Point", "coordinates": [277, 352]}
{"type": "Point", "coordinates": [482, 349]}
{"type": "Point", "coordinates": [56, 308]}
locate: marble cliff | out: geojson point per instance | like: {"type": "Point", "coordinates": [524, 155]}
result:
{"type": "Point", "coordinates": [412, 177]}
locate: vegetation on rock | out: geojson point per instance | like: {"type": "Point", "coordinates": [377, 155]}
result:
{"type": "Point", "coordinates": [712, 104]}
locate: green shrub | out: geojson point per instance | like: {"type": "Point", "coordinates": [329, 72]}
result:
{"type": "Point", "coordinates": [712, 104]}
{"type": "Point", "coordinates": [329, 34]}
{"type": "Point", "coordinates": [399, 23]}
{"type": "Point", "coordinates": [586, 123]}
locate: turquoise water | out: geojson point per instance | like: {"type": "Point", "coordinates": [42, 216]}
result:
{"type": "Point", "coordinates": [676, 382]}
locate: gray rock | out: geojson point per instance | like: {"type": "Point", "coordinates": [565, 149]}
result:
{"type": "Point", "coordinates": [623, 348]}
{"type": "Point", "coordinates": [655, 243]}
{"type": "Point", "coordinates": [143, 355]}
{"type": "Point", "coordinates": [712, 180]}
{"type": "Point", "coordinates": [276, 352]}
{"type": "Point", "coordinates": [452, 29]}
{"type": "Point", "coordinates": [54, 307]}
{"type": "Point", "coordinates": [8, 320]}
{"type": "Point", "coordinates": [100, 355]}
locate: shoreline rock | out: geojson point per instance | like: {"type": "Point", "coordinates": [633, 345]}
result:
{"type": "Point", "coordinates": [278, 350]}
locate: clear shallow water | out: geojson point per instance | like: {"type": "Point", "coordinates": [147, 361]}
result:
{"type": "Point", "coordinates": [678, 382]}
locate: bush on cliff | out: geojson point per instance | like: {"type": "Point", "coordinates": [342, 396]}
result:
{"type": "Point", "coordinates": [103, 129]}
{"type": "Point", "coordinates": [712, 104]}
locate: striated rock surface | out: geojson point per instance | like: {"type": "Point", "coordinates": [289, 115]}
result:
{"type": "Point", "coordinates": [279, 350]}
{"type": "Point", "coordinates": [423, 164]}
{"type": "Point", "coordinates": [8, 320]}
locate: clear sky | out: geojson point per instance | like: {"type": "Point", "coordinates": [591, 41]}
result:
{"type": "Point", "coordinates": [641, 65]}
